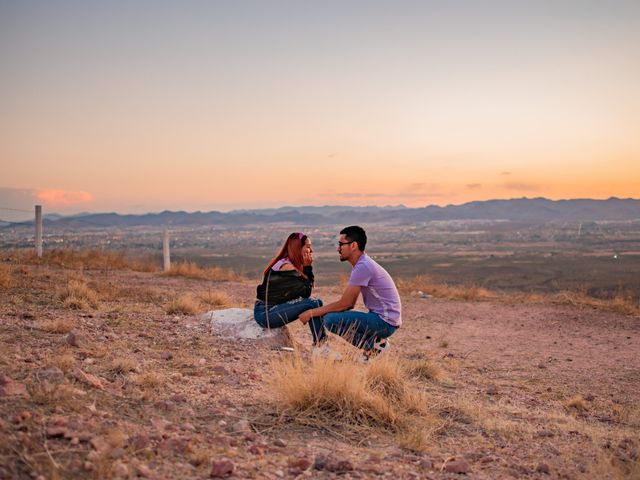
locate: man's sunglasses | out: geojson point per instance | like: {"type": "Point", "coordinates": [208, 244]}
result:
{"type": "Point", "coordinates": [341, 244]}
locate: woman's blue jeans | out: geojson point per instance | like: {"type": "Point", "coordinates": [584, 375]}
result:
{"type": "Point", "coordinates": [277, 316]}
{"type": "Point", "coordinates": [362, 329]}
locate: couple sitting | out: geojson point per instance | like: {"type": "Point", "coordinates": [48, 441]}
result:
{"type": "Point", "coordinates": [285, 294]}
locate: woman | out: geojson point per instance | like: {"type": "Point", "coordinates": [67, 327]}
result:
{"type": "Point", "coordinates": [286, 285]}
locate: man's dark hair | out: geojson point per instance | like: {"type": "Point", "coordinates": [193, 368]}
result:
{"type": "Point", "coordinates": [355, 234]}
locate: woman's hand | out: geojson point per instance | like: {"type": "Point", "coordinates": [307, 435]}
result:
{"type": "Point", "coordinates": [307, 257]}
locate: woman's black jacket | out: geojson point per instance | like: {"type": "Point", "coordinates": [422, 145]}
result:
{"type": "Point", "coordinates": [285, 286]}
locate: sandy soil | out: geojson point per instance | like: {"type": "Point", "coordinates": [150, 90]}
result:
{"type": "Point", "coordinates": [531, 391]}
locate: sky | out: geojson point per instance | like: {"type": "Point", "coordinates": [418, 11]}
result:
{"type": "Point", "coordinates": [147, 106]}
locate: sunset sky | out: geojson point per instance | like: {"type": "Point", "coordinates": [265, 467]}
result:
{"type": "Point", "coordinates": [217, 105]}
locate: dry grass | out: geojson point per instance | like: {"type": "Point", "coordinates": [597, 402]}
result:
{"type": "Point", "coordinates": [192, 270]}
{"type": "Point", "coordinates": [123, 365]}
{"type": "Point", "coordinates": [424, 369]}
{"type": "Point", "coordinates": [427, 285]}
{"type": "Point", "coordinates": [577, 403]}
{"type": "Point", "coordinates": [150, 380]}
{"type": "Point", "coordinates": [350, 399]}
{"type": "Point", "coordinates": [64, 362]}
{"type": "Point", "coordinates": [59, 325]}
{"type": "Point", "coordinates": [420, 285]}
{"type": "Point", "coordinates": [78, 296]}
{"type": "Point", "coordinates": [86, 259]}
{"type": "Point", "coordinates": [215, 299]}
{"type": "Point", "coordinates": [183, 305]}
{"type": "Point", "coordinates": [6, 277]}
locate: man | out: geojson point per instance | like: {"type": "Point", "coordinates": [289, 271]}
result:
{"type": "Point", "coordinates": [366, 330]}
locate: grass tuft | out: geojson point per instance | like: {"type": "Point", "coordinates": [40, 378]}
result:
{"type": "Point", "coordinates": [215, 299]}
{"type": "Point", "coordinates": [184, 305]}
{"type": "Point", "coordinates": [6, 278]}
{"type": "Point", "coordinates": [59, 325]}
{"type": "Point", "coordinates": [78, 296]}
{"type": "Point", "coordinates": [350, 399]}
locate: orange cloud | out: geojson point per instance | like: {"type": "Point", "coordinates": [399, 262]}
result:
{"type": "Point", "coordinates": [63, 197]}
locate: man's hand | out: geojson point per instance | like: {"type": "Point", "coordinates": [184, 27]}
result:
{"type": "Point", "coordinates": [304, 317]}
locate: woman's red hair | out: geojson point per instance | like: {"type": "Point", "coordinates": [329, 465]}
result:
{"type": "Point", "coordinates": [292, 249]}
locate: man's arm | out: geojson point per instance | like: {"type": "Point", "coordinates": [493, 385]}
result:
{"type": "Point", "coordinates": [346, 302]}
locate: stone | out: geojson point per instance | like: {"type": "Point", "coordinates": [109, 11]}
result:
{"type": "Point", "coordinates": [174, 446]}
{"type": "Point", "coordinates": [300, 464]}
{"type": "Point", "coordinates": [56, 432]}
{"type": "Point", "coordinates": [52, 374]}
{"type": "Point", "coordinates": [279, 442]}
{"type": "Point", "coordinates": [74, 338]}
{"type": "Point", "coordinates": [543, 468]}
{"type": "Point", "coordinates": [458, 465]}
{"type": "Point", "coordinates": [492, 389]}
{"type": "Point", "coordinates": [120, 470]}
{"type": "Point", "coordinates": [241, 426]}
{"type": "Point", "coordinates": [143, 471]}
{"type": "Point", "coordinates": [222, 468]}
{"type": "Point", "coordinates": [545, 433]}
{"type": "Point", "coordinates": [166, 355]}
{"type": "Point", "coordinates": [238, 323]}
{"type": "Point", "coordinates": [88, 379]}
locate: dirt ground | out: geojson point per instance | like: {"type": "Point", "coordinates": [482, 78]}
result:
{"type": "Point", "coordinates": [119, 388]}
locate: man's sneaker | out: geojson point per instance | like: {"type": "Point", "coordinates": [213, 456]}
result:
{"type": "Point", "coordinates": [324, 351]}
{"type": "Point", "coordinates": [381, 345]}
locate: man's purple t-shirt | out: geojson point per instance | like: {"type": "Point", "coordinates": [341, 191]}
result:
{"type": "Point", "coordinates": [379, 293]}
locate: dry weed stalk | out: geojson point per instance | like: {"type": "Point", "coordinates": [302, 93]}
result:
{"type": "Point", "coordinates": [123, 365]}
{"type": "Point", "coordinates": [577, 402]}
{"type": "Point", "coordinates": [184, 305]}
{"type": "Point", "coordinates": [192, 270]}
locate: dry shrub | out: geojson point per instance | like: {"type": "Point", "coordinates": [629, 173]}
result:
{"type": "Point", "coordinates": [192, 270]}
{"type": "Point", "coordinates": [64, 362]}
{"type": "Point", "coordinates": [614, 466]}
{"type": "Point", "coordinates": [78, 296]}
{"type": "Point", "coordinates": [184, 305]}
{"type": "Point", "coordinates": [52, 394]}
{"type": "Point", "coordinates": [215, 299]}
{"type": "Point", "coordinates": [123, 365]}
{"type": "Point", "coordinates": [424, 369]}
{"type": "Point", "coordinates": [150, 380]}
{"type": "Point", "coordinates": [427, 285]}
{"type": "Point", "coordinates": [6, 278]}
{"type": "Point", "coordinates": [351, 399]}
{"type": "Point", "coordinates": [577, 402]}
{"type": "Point", "coordinates": [59, 325]}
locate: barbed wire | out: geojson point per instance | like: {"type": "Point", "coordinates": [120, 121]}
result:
{"type": "Point", "coordinates": [16, 209]}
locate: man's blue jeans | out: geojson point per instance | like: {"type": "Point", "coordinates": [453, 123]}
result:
{"type": "Point", "coordinates": [362, 329]}
{"type": "Point", "coordinates": [277, 316]}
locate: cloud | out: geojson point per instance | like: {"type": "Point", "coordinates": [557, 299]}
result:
{"type": "Point", "coordinates": [528, 187]}
{"type": "Point", "coordinates": [381, 195]}
{"type": "Point", "coordinates": [474, 185]}
{"type": "Point", "coordinates": [505, 173]}
{"type": "Point", "coordinates": [63, 197]}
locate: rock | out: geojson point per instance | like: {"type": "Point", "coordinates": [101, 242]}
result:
{"type": "Point", "coordinates": [255, 450]}
{"type": "Point", "coordinates": [120, 470]}
{"type": "Point", "coordinates": [166, 355]}
{"type": "Point", "coordinates": [174, 446]}
{"type": "Point", "coordinates": [279, 442]}
{"type": "Point", "coordinates": [425, 463]}
{"type": "Point", "coordinates": [222, 468]}
{"type": "Point", "coordinates": [241, 426]}
{"type": "Point", "coordinates": [52, 375]}
{"type": "Point", "coordinates": [139, 442]}
{"type": "Point", "coordinates": [492, 389]}
{"type": "Point", "coordinates": [300, 464]}
{"type": "Point", "coordinates": [542, 365]}
{"type": "Point", "coordinates": [545, 433]}
{"type": "Point", "coordinates": [543, 468]}
{"type": "Point", "coordinates": [88, 379]}
{"type": "Point", "coordinates": [100, 444]}
{"type": "Point", "coordinates": [238, 323]}
{"type": "Point", "coordinates": [143, 471]}
{"type": "Point", "coordinates": [220, 370]}
{"type": "Point", "coordinates": [56, 432]}
{"type": "Point", "coordinates": [458, 465]}
{"type": "Point", "coordinates": [589, 397]}
{"type": "Point", "coordinates": [75, 339]}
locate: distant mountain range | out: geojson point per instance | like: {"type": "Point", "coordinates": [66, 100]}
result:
{"type": "Point", "coordinates": [521, 210]}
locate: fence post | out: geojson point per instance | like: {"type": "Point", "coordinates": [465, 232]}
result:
{"type": "Point", "coordinates": [165, 252]}
{"type": "Point", "coordinates": [39, 231]}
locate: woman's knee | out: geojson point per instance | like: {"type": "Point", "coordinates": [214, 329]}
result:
{"type": "Point", "coordinates": [318, 302]}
